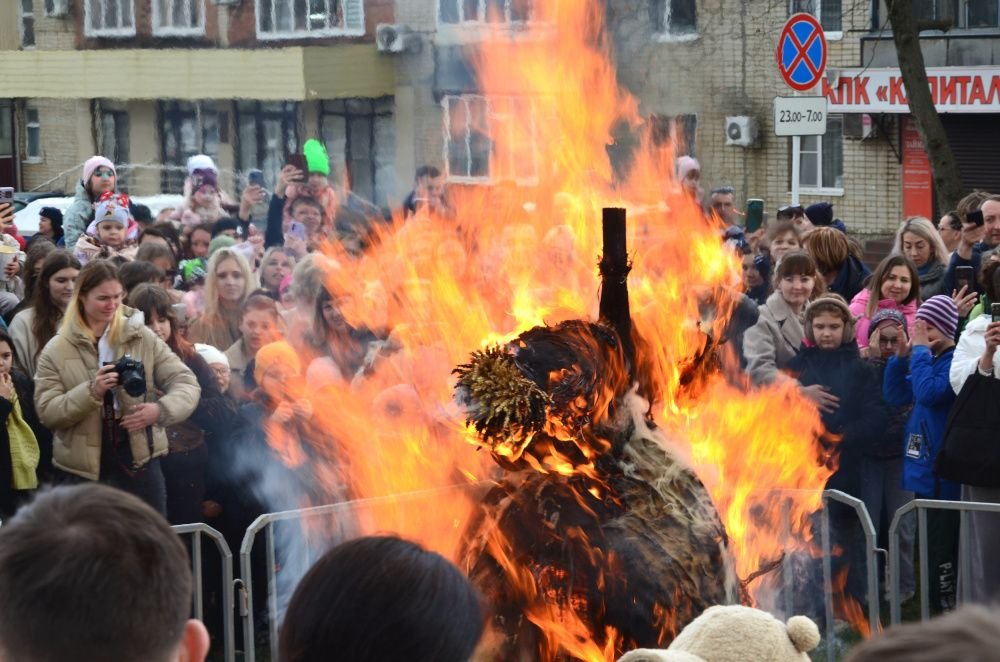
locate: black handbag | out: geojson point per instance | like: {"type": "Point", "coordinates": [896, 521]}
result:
{"type": "Point", "coordinates": [970, 453]}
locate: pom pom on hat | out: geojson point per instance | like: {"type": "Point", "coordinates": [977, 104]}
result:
{"type": "Point", "coordinates": [941, 313]}
{"type": "Point", "coordinates": [317, 160]}
{"type": "Point", "coordinates": [201, 162]}
{"type": "Point", "coordinates": [91, 165]}
{"type": "Point", "coordinates": [211, 354]}
{"type": "Point", "coordinates": [803, 633]}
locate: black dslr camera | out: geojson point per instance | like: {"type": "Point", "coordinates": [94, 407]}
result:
{"type": "Point", "coordinates": [131, 375]}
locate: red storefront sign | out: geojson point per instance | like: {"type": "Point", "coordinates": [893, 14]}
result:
{"type": "Point", "coordinates": [918, 189]}
{"type": "Point", "coordinates": [954, 90]}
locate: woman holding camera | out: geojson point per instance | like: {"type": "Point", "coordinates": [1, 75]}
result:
{"type": "Point", "coordinates": [96, 389]}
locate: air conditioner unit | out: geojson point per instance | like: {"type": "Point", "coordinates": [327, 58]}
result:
{"type": "Point", "coordinates": [741, 131]}
{"type": "Point", "coordinates": [57, 8]}
{"type": "Point", "coordinates": [393, 38]}
{"type": "Point", "coordinates": [859, 126]}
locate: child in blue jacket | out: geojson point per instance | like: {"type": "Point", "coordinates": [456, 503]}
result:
{"type": "Point", "coordinates": [928, 388]}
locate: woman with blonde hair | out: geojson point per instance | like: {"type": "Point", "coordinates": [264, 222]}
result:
{"type": "Point", "coordinates": [108, 418]}
{"type": "Point", "coordinates": [918, 239]}
{"type": "Point", "coordinates": [228, 282]}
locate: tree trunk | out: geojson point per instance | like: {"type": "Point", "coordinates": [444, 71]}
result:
{"type": "Point", "coordinates": [947, 181]}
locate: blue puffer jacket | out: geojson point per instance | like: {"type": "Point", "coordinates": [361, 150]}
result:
{"type": "Point", "coordinates": [928, 388]}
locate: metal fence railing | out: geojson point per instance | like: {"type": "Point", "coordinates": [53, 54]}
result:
{"type": "Point", "coordinates": [197, 532]}
{"type": "Point", "coordinates": [922, 506]}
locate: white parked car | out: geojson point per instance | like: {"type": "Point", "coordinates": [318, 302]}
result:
{"type": "Point", "coordinates": [27, 219]}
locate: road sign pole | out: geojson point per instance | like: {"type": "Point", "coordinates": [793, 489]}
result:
{"type": "Point", "coordinates": [796, 167]}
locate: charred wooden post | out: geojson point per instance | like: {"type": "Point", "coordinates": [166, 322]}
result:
{"type": "Point", "coordinates": [615, 268]}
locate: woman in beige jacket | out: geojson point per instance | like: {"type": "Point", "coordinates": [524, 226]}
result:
{"type": "Point", "coordinates": [100, 431]}
{"type": "Point", "coordinates": [34, 327]}
{"type": "Point", "coordinates": [775, 339]}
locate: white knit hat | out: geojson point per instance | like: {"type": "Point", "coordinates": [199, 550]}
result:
{"type": "Point", "coordinates": [211, 354]}
{"type": "Point", "coordinates": [201, 162]}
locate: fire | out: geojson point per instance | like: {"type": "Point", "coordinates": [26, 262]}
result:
{"type": "Point", "coordinates": [517, 256]}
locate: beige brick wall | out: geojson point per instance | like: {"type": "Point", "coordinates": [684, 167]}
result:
{"type": "Point", "coordinates": [66, 140]}
{"type": "Point", "coordinates": [729, 70]}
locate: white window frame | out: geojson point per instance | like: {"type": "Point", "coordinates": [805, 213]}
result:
{"type": "Point", "coordinates": [829, 35]}
{"type": "Point", "coordinates": [21, 15]}
{"type": "Point", "coordinates": [29, 126]}
{"type": "Point", "coordinates": [117, 32]}
{"type": "Point", "coordinates": [666, 36]}
{"type": "Point", "coordinates": [480, 19]}
{"type": "Point", "coordinates": [819, 189]}
{"type": "Point", "coordinates": [344, 31]}
{"type": "Point", "coordinates": [172, 31]}
{"type": "Point", "coordinates": [492, 177]}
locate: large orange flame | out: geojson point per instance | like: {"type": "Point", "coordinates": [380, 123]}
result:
{"type": "Point", "coordinates": [519, 254]}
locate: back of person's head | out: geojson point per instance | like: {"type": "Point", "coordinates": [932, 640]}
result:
{"type": "Point", "coordinates": [970, 634]}
{"type": "Point", "coordinates": [134, 273]}
{"type": "Point", "coordinates": [381, 598]}
{"type": "Point", "coordinates": [142, 214]}
{"type": "Point", "coordinates": [829, 247]}
{"type": "Point", "coordinates": [152, 251]}
{"type": "Point", "coordinates": [225, 225]}
{"type": "Point", "coordinates": [89, 573]}
{"type": "Point", "coordinates": [954, 220]}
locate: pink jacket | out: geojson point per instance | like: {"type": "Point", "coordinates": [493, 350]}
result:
{"type": "Point", "coordinates": [862, 320]}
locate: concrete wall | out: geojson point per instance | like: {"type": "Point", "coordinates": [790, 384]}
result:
{"type": "Point", "coordinates": [67, 141]}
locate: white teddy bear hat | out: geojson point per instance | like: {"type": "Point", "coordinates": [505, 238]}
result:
{"type": "Point", "coordinates": [736, 634]}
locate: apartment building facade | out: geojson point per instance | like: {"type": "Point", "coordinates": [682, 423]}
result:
{"type": "Point", "coordinates": [151, 82]}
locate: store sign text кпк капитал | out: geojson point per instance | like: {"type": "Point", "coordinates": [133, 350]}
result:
{"type": "Point", "coordinates": [954, 90]}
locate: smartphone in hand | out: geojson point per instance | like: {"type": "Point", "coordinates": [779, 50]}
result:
{"type": "Point", "coordinates": [976, 217]}
{"type": "Point", "coordinates": [995, 312]}
{"type": "Point", "coordinates": [299, 161]}
{"type": "Point", "coordinates": [255, 178]}
{"type": "Point", "coordinates": [965, 276]}
{"type": "Point", "coordinates": [754, 214]}
{"type": "Point", "coordinates": [297, 230]}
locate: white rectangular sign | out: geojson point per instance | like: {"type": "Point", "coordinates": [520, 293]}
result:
{"type": "Point", "coordinates": [799, 116]}
{"type": "Point", "coordinates": [954, 90]}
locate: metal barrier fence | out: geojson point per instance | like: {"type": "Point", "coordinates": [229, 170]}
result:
{"type": "Point", "coordinates": [921, 506]}
{"type": "Point", "coordinates": [196, 531]}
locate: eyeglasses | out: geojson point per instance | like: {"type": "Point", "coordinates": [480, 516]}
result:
{"type": "Point", "coordinates": [103, 173]}
{"type": "Point", "coordinates": [791, 211]}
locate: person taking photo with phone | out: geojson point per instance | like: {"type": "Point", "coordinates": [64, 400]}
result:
{"type": "Point", "coordinates": [980, 213]}
{"type": "Point", "coordinates": [107, 387]}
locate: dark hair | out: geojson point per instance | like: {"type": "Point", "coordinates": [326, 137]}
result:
{"type": "Point", "coordinates": [5, 337]}
{"type": "Point", "coordinates": [222, 225]}
{"type": "Point", "coordinates": [954, 220]}
{"type": "Point", "coordinates": [800, 263]}
{"type": "Point", "coordinates": [91, 573]}
{"type": "Point", "coordinates": [882, 272]}
{"type": "Point", "coordinates": [167, 232]}
{"type": "Point", "coordinates": [990, 280]}
{"type": "Point", "coordinates": [133, 274]}
{"type": "Point", "coordinates": [382, 598]}
{"type": "Point", "coordinates": [971, 202]}
{"type": "Point", "coordinates": [48, 315]}
{"type": "Point", "coordinates": [142, 214]}
{"type": "Point", "coordinates": [970, 634]}
{"type": "Point", "coordinates": [151, 298]}
{"type": "Point", "coordinates": [55, 216]}
{"type": "Point", "coordinates": [150, 252]}
{"type": "Point", "coordinates": [37, 252]}
{"type": "Point", "coordinates": [428, 171]}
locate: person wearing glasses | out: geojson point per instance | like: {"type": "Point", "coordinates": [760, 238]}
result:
{"type": "Point", "coordinates": [99, 177]}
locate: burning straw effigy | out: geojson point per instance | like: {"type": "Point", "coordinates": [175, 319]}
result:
{"type": "Point", "coordinates": [597, 531]}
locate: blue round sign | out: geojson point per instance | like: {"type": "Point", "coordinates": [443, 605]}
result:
{"type": "Point", "coordinates": [801, 52]}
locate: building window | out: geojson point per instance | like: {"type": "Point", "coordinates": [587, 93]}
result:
{"type": "Point", "coordinates": [109, 18]}
{"type": "Point", "coordinates": [283, 19]}
{"type": "Point", "coordinates": [490, 139]}
{"type": "Point", "coordinates": [27, 24]}
{"type": "Point", "coordinates": [829, 13]}
{"type": "Point", "coordinates": [486, 11]}
{"type": "Point", "coordinates": [114, 135]}
{"type": "Point", "coordinates": [674, 18]}
{"type": "Point", "coordinates": [982, 14]}
{"type": "Point", "coordinates": [360, 137]}
{"type": "Point", "coordinates": [187, 129]}
{"type": "Point", "coordinates": [821, 158]}
{"type": "Point", "coordinates": [267, 132]}
{"type": "Point", "coordinates": [679, 131]}
{"type": "Point", "coordinates": [179, 18]}
{"type": "Point", "coordinates": [33, 136]}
